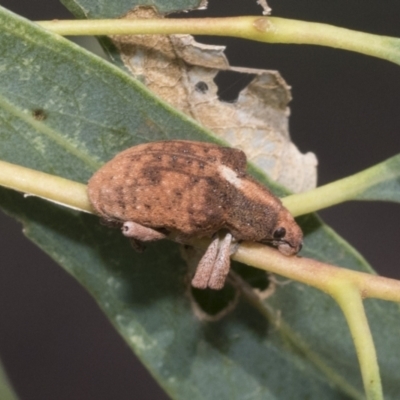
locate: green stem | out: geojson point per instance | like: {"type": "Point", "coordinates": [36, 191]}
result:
{"type": "Point", "coordinates": [322, 276]}
{"type": "Point", "coordinates": [50, 187]}
{"type": "Point", "coordinates": [311, 272]}
{"type": "Point", "coordinates": [345, 189]}
{"type": "Point", "coordinates": [349, 299]}
{"type": "Point", "coordinates": [262, 29]}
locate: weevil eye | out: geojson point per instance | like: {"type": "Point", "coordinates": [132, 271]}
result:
{"type": "Point", "coordinates": [279, 233]}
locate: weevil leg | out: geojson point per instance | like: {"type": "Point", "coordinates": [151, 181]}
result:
{"type": "Point", "coordinates": [141, 233]}
{"type": "Point", "coordinates": [206, 265]}
{"type": "Point", "coordinates": [234, 246]}
{"type": "Point", "coordinates": [137, 245]}
{"type": "Point", "coordinates": [222, 264]}
{"type": "Point", "coordinates": [110, 223]}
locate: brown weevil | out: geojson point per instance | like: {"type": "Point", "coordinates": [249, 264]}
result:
{"type": "Point", "coordinates": [193, 189]}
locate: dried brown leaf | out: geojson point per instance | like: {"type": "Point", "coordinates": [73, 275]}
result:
{"type": "Point", "coordinates": [182, 71]}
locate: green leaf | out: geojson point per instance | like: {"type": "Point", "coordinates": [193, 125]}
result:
{"type": "Point", "coordinates": [6, 391]}
{"type": "Point", "coordinates": [114, 9]}
{"type": "Point", "coordinates": [382, 181]}
{"type": "Point", "coordinates": [69, 110]}
{"type": "Point", "coordinates": [64, 111]}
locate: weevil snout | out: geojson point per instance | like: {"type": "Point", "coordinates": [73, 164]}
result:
{"type": "Point", "coordinates": [289, 250]}
{"type": "Point", "coordinates": [287, 236]}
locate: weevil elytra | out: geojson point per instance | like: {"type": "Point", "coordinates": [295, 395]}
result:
{"type": "Point", "coordinates": [194, 189]}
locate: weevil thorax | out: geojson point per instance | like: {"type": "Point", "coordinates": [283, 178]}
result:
{"type": "Point", "coordinates": [258, 215]}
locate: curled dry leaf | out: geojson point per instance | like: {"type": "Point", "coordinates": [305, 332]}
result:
{"type": "Point", "coordinates": [182, 71]}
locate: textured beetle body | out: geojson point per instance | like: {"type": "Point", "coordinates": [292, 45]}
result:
{"type": "Point", "coordinates": [169, 185]}
{"type": "Point", "coordinates": [194, 188]}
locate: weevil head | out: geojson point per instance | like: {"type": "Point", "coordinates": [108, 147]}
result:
{"type": "Point", "coordinates": [287, 236]}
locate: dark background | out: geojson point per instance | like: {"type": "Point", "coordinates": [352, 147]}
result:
{"type": "Point", "coordinates": [54, 341]}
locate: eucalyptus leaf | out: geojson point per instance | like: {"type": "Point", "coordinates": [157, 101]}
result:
{"type": "Point", "coordinates": [90, 9]}
{"type": "Point", "coordinates": [114, 9]}
{"type": "Point", "coordinates": [65, 111]}
{"type": "Point", "coordinates": [70, 110]}
{"type": "Point", "coordinates": [382, 181]}
{"type": "Point", "coordinates": [6, 391]}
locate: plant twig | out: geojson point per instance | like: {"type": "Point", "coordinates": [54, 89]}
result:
{"type": "Point", "coordinates": [346, 286]}
{"type": "Point", "coordinates": [350, 188]}
{"type": "Point", "coordinates": [320, 275]}
{"type": "Point", "coordinates": [50, 187]}
{"type": "Point", "coordinates": [314, 273]}
{"type": "Point", "coordinates": [262, 29]}
{"type": "Point", "coordinates": [349, 299]}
